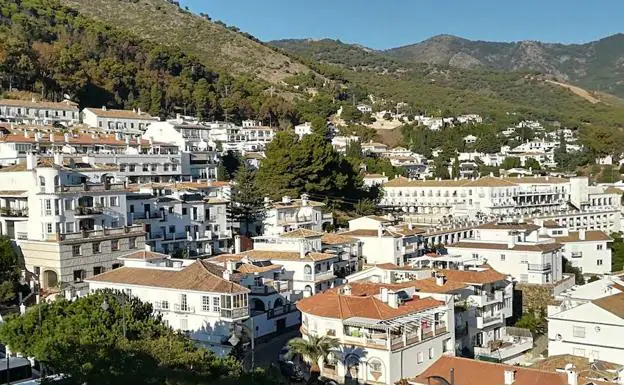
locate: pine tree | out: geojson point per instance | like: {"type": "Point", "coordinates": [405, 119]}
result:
{"type": "Point", "coordinates": [156, 101]}
{"type": "Point", "coordinates": [246, 201]}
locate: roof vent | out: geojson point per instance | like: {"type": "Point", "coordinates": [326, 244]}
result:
{"type": "Point", "coordinates": [510, 377]}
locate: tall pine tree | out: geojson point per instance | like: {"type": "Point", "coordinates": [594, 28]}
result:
{"type": "Point", "coordinates": [246, 201]}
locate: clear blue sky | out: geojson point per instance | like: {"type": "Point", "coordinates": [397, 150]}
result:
{"type": "Point", "coordinates": [391, 23]}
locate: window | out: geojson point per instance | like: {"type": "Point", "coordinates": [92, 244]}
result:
{"type": "Point", "coordinates": [475, 256]}
{"type": "Point", "coordinates": [76, 250]}
{"type": "Point", "coordinates": [68, 204]}
{"type": "Point", "coordinates": [114, 201]}
{"type": "Point", "coordinates": [79, 276]}
{"type": "Point", "coordinates": [132, 167]}
{"type": "Point", "coordinates": [164, 305]}
{"type": "Point", "coordinates": [578, 331]}
{"type": "Point", "coordinates": [502, 257]}
{"type": "Point", "coordinates": [205, 303]}
{"type": "Point", "coordinates": [420, 358]}
{"type": "Point", "coordinates": [49, 228]}
{"type": "Point", "coordinates": [431, 353]}
{"type": "Point", "coordinates": [183, 302]}
{"type": "Point", "coordinates": [115, 245]}
{"type": "Point", "coordinates": [599, 262]}
{"type": "Point", "coordinates": [132, 243]}
{"type": "Point", "coordinates": [183, 324]}
{"type": "Point", "coordinates": [215, 304]}
{"type": "Point", "coordinates": [96, 247]}
{"type": "Point", "coordinates": [145, 167]}
{"type": "Point", "coordinates": [598, 247]}
{"type": "Point", "coordinates": [48, 207]}
{"type": "Point", "coordinates": [116, 266]}
{"type": "Point", "coordinates": [172, 229]}
{"type": "Point", "coordinates": [98, 270]}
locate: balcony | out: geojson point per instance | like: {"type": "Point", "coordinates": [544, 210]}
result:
{"type": "Point", "coordinates": [294, 220]}
{"type": "Point", "coordinates": [98, 187]}
{"type": "Point", "coordinates": [515, 343]}
{"type": "Point", "coordinates": [279, 311]}
{"type": "Point", "coordinates": [161, 306]}
{"type": "Point", "coordinates": [183, 308]}
{"type": "Point", "coordinates": [102, 233]}
{"type": "Point", "coordinates": [146, 216]}
{"type": "Point", "coordinates": [540, 268]}
{"type": "Point", "coordinates": [320, 276]}
{"type": "Point", "coordinates": [235, 314]}
{"type": "Point", "coordinates": [9, 212]}
{"type": "Point", "coordinates": [172, 237]}
{"type": "Point", "coordinates": [83, 212]}
{"type": "Point", "coordinates": [486, 298]}
{"type": "Point", "coordinates": [488, 320]}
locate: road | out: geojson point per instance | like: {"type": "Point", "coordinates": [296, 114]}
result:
{"type": "Point", "coordinates": [266, 353]}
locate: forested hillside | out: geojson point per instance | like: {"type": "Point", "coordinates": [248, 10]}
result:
{"type": "Point", "coordinates": [53, 50]}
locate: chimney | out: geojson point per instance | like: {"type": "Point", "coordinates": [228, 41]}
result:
{"type": "Point", "coordinates": [230, 266]}
{"type": "Point", "coordinates": [410, 226]}
{"type": "Point", "coordinates": [346, 290]}
{"type": "Point", "coordinates": [304, 199]}
{"type": "Point", "coordinates": [440, 279]}
{"type": "Point", "coordinates": [582, 234]}
{"type": "Point", "coordinates": [103, 108]}
{"type": "Point", "coordinates": [66, 137]}
{"type": "Point", "coordinates": [393, 300]}
{"type": "Point", "coordinates": [620, 376]}
{"type": "Point", "coordinates": [572, 374]}
{"type": "Point", "coordinates": [139, 110]}
{"type": "Point", "coordinates": [51, 137]}
{"type": "Point", "coordinates": [384, 295]}
{"type": "Point", "coordinates": [302, 250]}
{"type": "Point", "coordinates": [58, 158]}
{"type": "Point", "coordinates": [117, 136]}
{"type": "Point", "coordinates": [380, 230]}
{"type": "Point", "coordinates": [285, 199]}
{"type": "Point", "coordinates": [25, 133]}
{"type": "Point", "coordinates": [510, 377]}
{"type": "Point", "coordinates": [511, 242]}
{"type": "Point", "coordinates": [237, 244]}
{"type": "Point", "coordinates": [31, 161]}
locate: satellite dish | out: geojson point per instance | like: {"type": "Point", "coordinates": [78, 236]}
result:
{"type": "Point", "coordinates": [234, 340]}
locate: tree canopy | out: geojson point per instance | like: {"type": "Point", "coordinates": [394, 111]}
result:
{"type": "Point", "coordinates": [85, 340]}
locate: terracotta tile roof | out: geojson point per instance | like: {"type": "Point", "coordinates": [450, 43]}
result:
{"type": "Point", "coordinates": [302, 233]}
{"type": "Point", "coordinates": [488, 181]}
{"type": "Point", "coordinates": [14, 193]}
{"type": "Point", "coordinates": [332, 304]}
{"type": "Point", "coordinates": [538, 180]}
{"type": "Point", "coordinates": [614, 190]}
{"type": "Point", "coordinates": [405, 182]}
{"type": "Point", "coordinates": [585, 368]}
{"type": "Point", "coordinates": [392, 266]}
{"type": "Point", "coordinates": [590, 236]}
{"type": "Point", "coordinates": [119, 114]}
{"type": "Point", "coordinates": [550, 224]}
{"type": "Point", "coordinates": [374, 176]}
{"type": "Point", "coordinates": [247, 268]}
{"type": "Point", "coordinates": [474, 372]}
{"type": "Point", "coordinates": [144, 255]}
{"type": "Point", "coordinates": [39, 104]}
{"type": "Point", "coordinates": [200, 276]}
{"type": "Point", "coordinates": [508, 226]}
{"type": "Point", "coordinates": [473, 276]}
{"type": "Point", "coordinates": [369, 233]}
{"type": "Point", "coordinates": [337, 239]}
{"type": "Point", "coordinates": [405, 230]}
{"type": "Point", "coordinates": [275, 256]}
{"type": "Point", "coordinates": [75, 139]}
{"type": "Point", "coordinates": [374, 144]}
{"type": "Point", "coordinates": [542, 247]}
{"type": "Point", "coordinates": [614, 304]}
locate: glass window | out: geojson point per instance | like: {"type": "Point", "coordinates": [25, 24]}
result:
{"type": "Point", "coordinates": [76, 250]}
{"type": "Point", "coordinates": [578, 331]}
{"type": "Point", "coordinates": [132, 244]}
{"type": "Point", "coordinates": [79, 275]}
{"type": "Point", "coordinates": [98, 270]}
{"type": "Point", "coordinates": [96, 247]}
{"type": "Point", "coordinates": [215, 304]}
{"type": "Point", "coordinates": [205, 303]}
{"type": "Point", "coordinates": [115, 245]}
{"type": "Point", "coordinates": [114, 201]}
{"type": "Point", "coordinates": [420, 358]}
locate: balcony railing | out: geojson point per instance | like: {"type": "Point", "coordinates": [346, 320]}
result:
{"type": "Point", "coordinates": [15, 213]}
{"type": "Point", "coordinates": [235, 313]}
{"type": "Point", "coordinates": [87, 211]}
{"type": "Point", "coordinates": [540, 268]}
{"type": "Point", "coordinates": [288, 308]}
{"type": "Point", "coordinates": [183, 308]}
{"type": "Point", "coordinates": [135, 230]}
{"type": "Point", "coordinates": [99, 187]}
{"type": "Point", "coordinates": [487, 320]}
{"type": "Point", "coordinates": [487, 298]}
{"type": "Point", "coordinates": [320, 276]}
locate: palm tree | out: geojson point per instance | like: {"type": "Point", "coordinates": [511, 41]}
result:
{"type": "Point", "coordinates": [313, 349]}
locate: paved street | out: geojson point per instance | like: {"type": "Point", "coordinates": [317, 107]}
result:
{"type": "Point", "coordinates": [266, 353]}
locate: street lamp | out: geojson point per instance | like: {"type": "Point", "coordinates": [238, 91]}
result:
{"type": "Point", "coordinates": [121, 298]}
{"type": "Point", "coordinates": [235, 340]}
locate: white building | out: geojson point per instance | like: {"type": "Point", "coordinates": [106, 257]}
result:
{"type": "Point", "coordinates": [590, 251]}
{"type": "Point", "coordinates": [133, 122]}
{"type": "Point", "coordinates": [291, 214]}
{"type": "Point", "coordinates": [588, 330]}
{"type": "Point", "coordinates": [371, 180]}
{"type": "Point", "coordinates": [515, 249]}
{"type": "Point", "coordinates": [178, 219]}
{"type": "Point", "coordinates": [199, 299]}
{"type": "Point", "coordinates": [365, 108]}
{"type": "Point", "coordinates": [303, 129]}
{"type": "Point", "coordinates": [570, 202]}
{"type": "Point", "coordinates": [386, 332]}
{"type": "Point", "coordinates": [470, 139]}
{"type": "Point", "coordinates": [74, 229]}
{"type": "Point", "coordinates": [39, 112]}
{"type": "Point", "coordinates": [374, 148]}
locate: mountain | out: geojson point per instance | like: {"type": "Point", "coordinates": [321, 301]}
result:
{"type": "Point", "coordinates": [215, 44]}
{"type": "Point", "coordinates": [597, 65]}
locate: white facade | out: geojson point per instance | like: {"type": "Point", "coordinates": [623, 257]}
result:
{"type": "Point", "coordinates": [385, 333]}
{"type": "Point", "coordinates": [590, 251]}
{"type": "Point", "coordinates": [188, 298]}
{"type": "Point", "coordinates": [515, 249]}
{"type": "Point", "coordinates": [39, 113]}
{"type": "Point", "coordinates": [589, 330]}
{"type": "Point", "coordinates": [291, 214]}
{"type": "Point", "coordinates": [303, 129]}
{"type": "Point", "coordinates": [132, 122]}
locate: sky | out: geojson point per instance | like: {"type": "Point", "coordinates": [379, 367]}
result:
{"type": "Point", "coordinates": [383, 24]}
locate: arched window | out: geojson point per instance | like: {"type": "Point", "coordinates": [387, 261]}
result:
{"type": "Point", "coordinates": [307, 269]}
{"type": "Point", "coordinates": [308, 288]}
{"type": "Point", "coordinates": [278, 303]}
